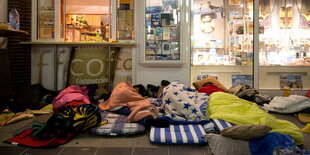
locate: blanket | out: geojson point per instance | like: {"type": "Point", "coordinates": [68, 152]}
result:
{"type": "Point", "coordinates": [291, 104]}
{"type": "Point", "coordinates": [71, 93]}
{"type": "Point", "coordinates": [183, 103]}
{"type": "Point", "coordinates": [241, 112]}
{"type": "Point", "coordinates": [124, 94]}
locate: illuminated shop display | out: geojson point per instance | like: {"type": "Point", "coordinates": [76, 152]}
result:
{"type": "Point", "coordinates": [87, 21]}
{"type": "Point", "coordinates": [222, 42]}
{"type": "Point", "coordinates": [222, 35]}
{"type": "Point", "coordinates": [285, 33]}
{"type": "Point", "coordinates": [162, 30]}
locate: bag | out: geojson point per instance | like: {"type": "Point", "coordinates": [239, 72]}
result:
{"type": "Point", "coordinates": [27, 97]}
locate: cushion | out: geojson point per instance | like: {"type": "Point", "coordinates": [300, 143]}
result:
{"type": "Point", "coordinates": [200, 83]}
{"type": "Point", "coordinates": [245, 132]}
{"type": "Point", "coordinates": [116, 126]}
{"type": "Point", "coordinates": [186, 134]}
{"type": "Point", "coordinates": [221, 145]}
{"type": "Point", "coordinates": [219, 124]}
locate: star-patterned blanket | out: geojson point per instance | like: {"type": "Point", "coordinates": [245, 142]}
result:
{"type": "Point", "coordinates": [183, 103]}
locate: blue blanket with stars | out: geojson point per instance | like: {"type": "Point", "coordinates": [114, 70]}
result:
{"type": "Point", "coordinates": [183, 103]}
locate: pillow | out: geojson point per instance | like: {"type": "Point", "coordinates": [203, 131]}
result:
{"type": "Point", "coordinates": [213, 80]}
{"type": "Point", "coordinates": [221, 145]}
{"type": "Point", "coordinates": [245, 132]}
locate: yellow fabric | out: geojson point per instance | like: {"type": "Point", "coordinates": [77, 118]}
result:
{"type": "Point", "coordinates": [304, 118]}
{"type": "Point", "coordinates": [306, 128]}
{"type": "Point", "coordinates": [103, 122]}
{"type": "Point", "coordinates": [11, 117]}
{"type": "Point", "coordinates": [241, 112]}
{"type": "Point", "coordinates": [4, 117]}
{"type": "Point", "coordinates": [45, 110]}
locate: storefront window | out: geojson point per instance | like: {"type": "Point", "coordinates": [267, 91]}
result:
{"type": "Point", "coordinates": [284, 51]}
{"type": "Point", "coordinates": [222, 41]}
{"type": "Point", "coordinates": [87, 21]}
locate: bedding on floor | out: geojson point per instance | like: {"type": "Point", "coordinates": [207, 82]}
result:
{"type": "Point", "coordinates": [230, 108]}
{"type": "Point", "coordinates": [116, 126]}
{"type": "Point", "coordinates": [186, 134]}
{"type": "Point", "coordinates": [183, 103]}
{"type": "Point", "coordinates": [286, 105]}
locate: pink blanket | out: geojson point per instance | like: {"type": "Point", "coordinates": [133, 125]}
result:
{"type": "Point", "coordinates": [69, 94]}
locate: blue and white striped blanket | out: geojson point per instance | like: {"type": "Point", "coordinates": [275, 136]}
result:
{"type": "Point", "coordinates": [190, 134]}
{"type": "Point", "coordinates": [221, 124]}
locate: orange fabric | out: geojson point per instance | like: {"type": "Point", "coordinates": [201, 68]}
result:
{"type": "Point", "coordinates": [125, 95]}
{"type": "Point", "coordinates": [121, 95]}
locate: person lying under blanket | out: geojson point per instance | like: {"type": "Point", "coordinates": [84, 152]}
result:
{"type": "Point", "coordinates": [126, 101]}
{"type": "Point", "coordinates": [186, 104]}
{"type": "Point", "coordinates": [183, 103]}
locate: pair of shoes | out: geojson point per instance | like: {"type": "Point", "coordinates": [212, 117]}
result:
{"type": "Point", "coordinates": [152, 90]}
{"type": "Point", "coordinates": [142, 90]}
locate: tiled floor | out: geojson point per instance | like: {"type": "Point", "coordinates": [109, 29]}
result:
{"type": "Point", "coordinates": [86, 144]}
{"type": "Point", "coordinates": [188, 150]}
{"type": "Point", "coordinates": [135, 145]}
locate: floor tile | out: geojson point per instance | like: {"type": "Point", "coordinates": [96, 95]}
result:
{"type": "Point", "coordinates": [88, 140]}
{"type": "Point", "coordinates": [52, 151]}
{"type": "Point", "coordinates": [207, 150]}
{"type": "Point", "coordinates": [11, 150]}
{"type": "Point", "coordinates": [185, 150]}
{"type": "Point", "coordinates": [150, 151]}
{"type": "Point", "coordinates": [114, 151]}
{"type": "Point", "coordinates": [78, 151]}
{"type": "Point", "coordinates": [144, 141]}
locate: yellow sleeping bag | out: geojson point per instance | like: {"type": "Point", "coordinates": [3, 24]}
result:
{"type": "Point", "coordinates": [242, 112]}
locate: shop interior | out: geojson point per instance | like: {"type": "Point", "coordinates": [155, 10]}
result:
{"type": "Point", "coordinates": [253, 53]}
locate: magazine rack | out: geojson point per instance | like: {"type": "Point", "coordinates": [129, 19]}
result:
{"type": "Point", "coordinates": [162, 42]}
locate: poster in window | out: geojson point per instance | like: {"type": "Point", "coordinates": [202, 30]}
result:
{"type": "Point", "coordinates": [292, 81]}
{"type": "Point", "coordinates": [174, 33]}
{"type": "Point", "coordinates": [155, 20]}
{"type": "Point", "coordinates": [166, 33]}
{"type": "Point", "coordinates": [166, 48]}
{"type": "Point", "coordinates": [159, 33]}
{"type": "Point", "coordinates": [242, 80]}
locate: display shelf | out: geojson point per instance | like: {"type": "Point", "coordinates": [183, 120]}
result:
{"type": "Point", "coordinates": [9, 32]}
{"type": "Point", "coordinates": [162, 33]}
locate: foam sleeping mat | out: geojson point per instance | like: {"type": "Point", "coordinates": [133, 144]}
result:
{"type": "Point", "coordinates": [189, 134]}
{"type": "Point", "coordinates": [116, 126]}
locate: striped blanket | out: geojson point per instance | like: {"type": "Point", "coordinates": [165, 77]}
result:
{"type": "Point", "coordinates": [190, 134]}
